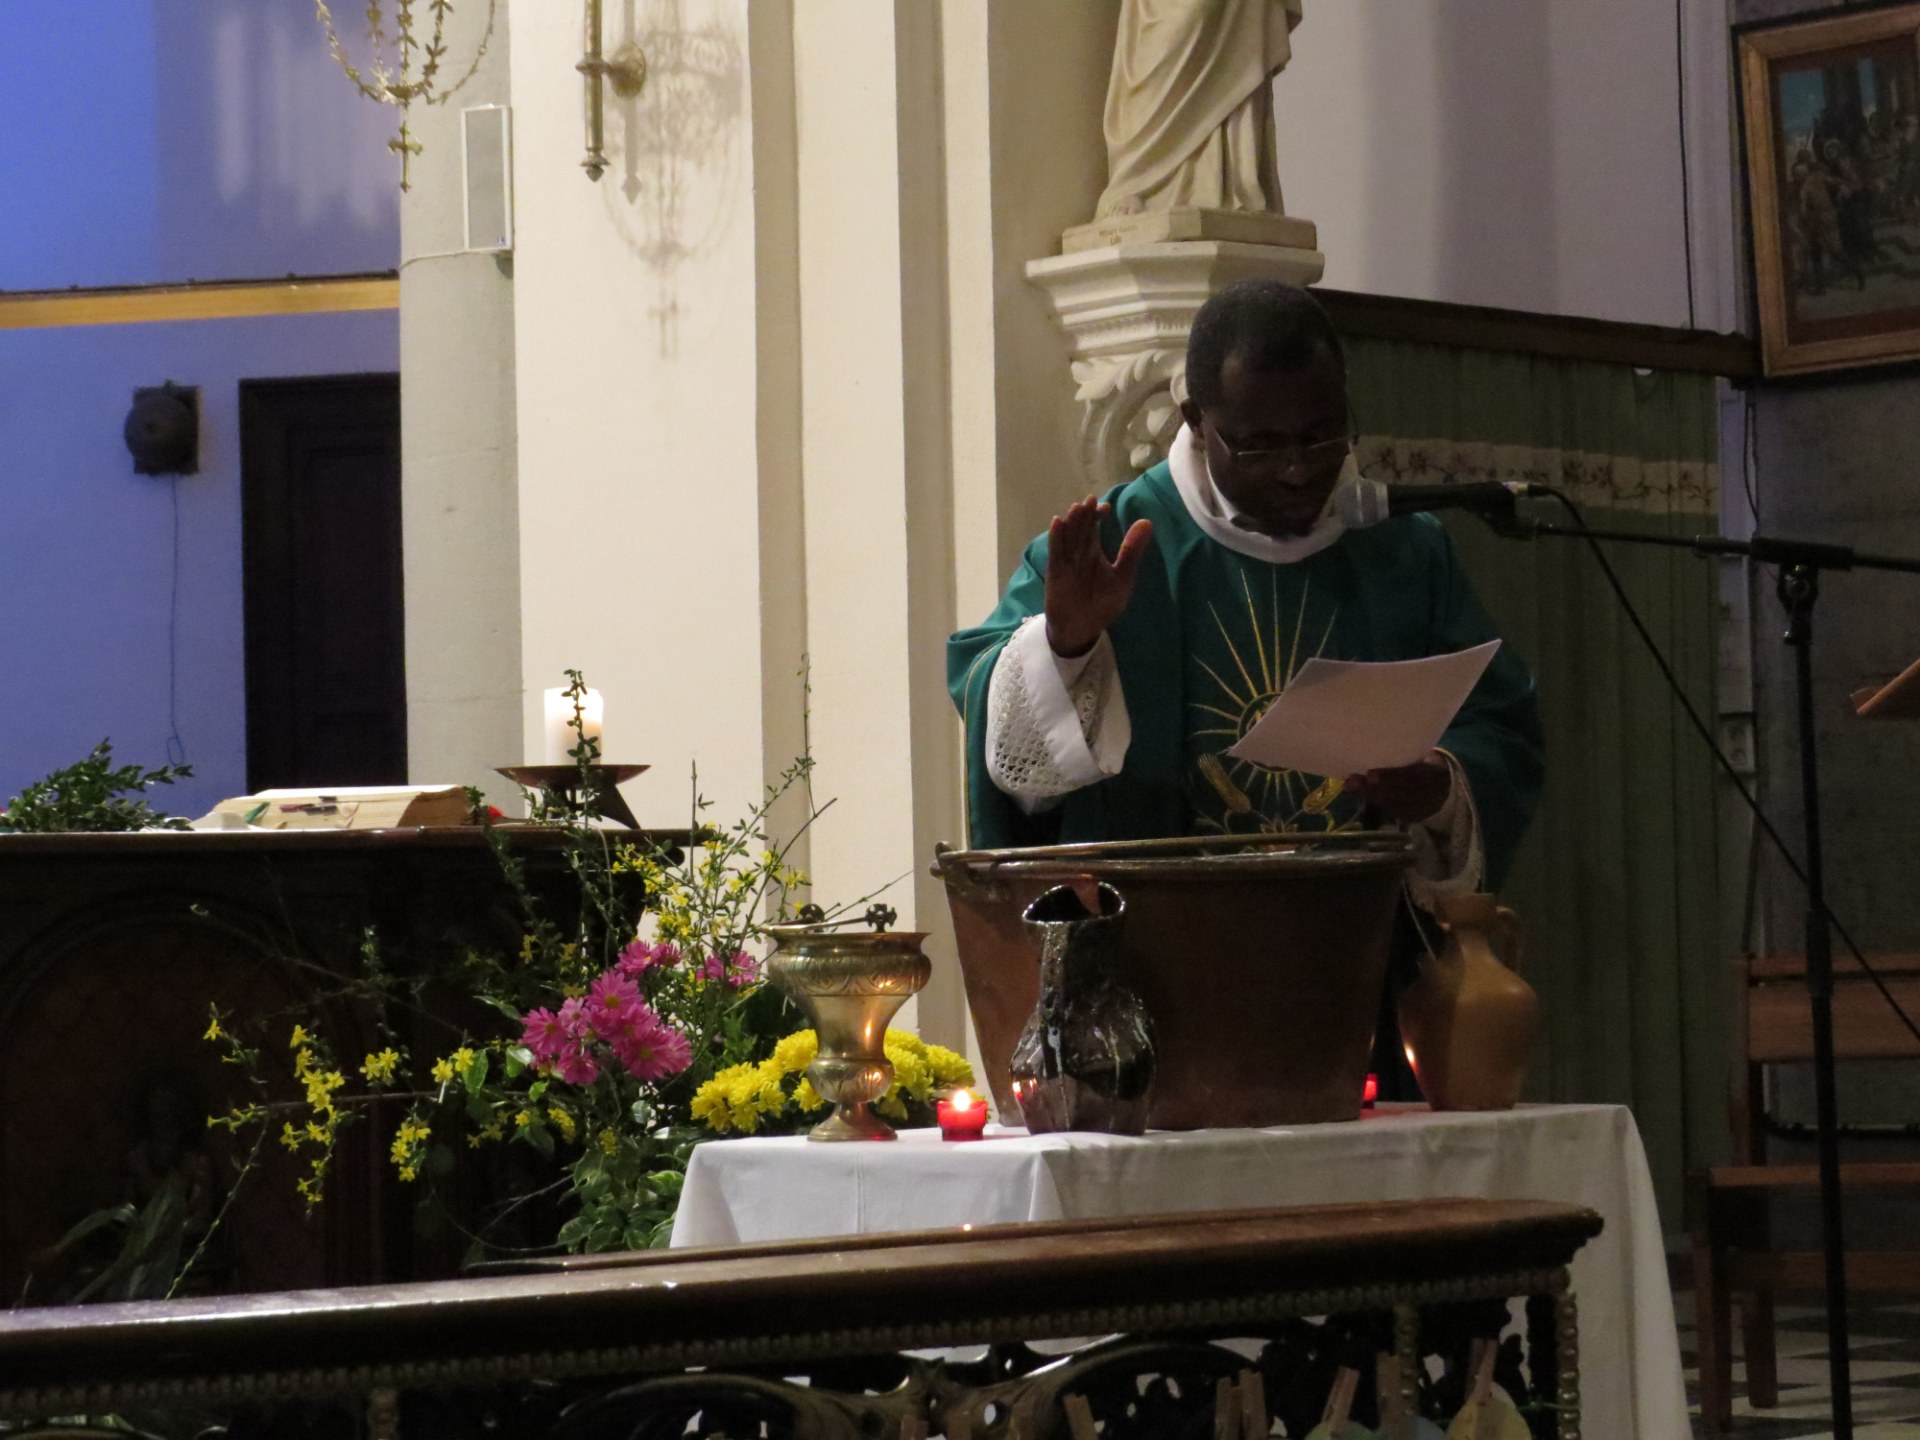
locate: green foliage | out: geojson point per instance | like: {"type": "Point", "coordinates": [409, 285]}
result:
{"type": "Point", "coordinates": [95, 794]}
{"type": "Point", "coordinates": [152, 1245]}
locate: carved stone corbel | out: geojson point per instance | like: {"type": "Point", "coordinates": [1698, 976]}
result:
{"type": "Point", "coordinates": [1129, 410]}
{"type": "Point", "coordinates": [1126, 310]}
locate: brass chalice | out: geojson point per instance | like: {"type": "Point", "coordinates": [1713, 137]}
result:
{"type": "Point", "coordinates": [850, 984]}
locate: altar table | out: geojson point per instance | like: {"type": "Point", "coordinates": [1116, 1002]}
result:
{"type": "Point", "coordinates": [778, 1188]}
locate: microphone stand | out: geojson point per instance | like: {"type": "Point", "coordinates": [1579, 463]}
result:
{"type": "Point", "coordinates": [1801, 562]}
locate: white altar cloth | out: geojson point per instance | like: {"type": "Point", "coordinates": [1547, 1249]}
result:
{"type": "Point", "coordinates": [784, 1187]}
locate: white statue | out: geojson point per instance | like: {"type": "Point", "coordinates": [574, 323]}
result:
{"type": "Point", "coordinates": [1189, 119]}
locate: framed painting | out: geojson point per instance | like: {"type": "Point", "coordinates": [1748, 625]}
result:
{"type": "Point", "coordinates": [1832, 120]}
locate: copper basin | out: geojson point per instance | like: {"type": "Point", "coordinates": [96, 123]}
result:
{"type": "Point", "coordinates": [1261, 960]}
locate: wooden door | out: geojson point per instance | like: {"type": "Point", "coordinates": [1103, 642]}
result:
{"type": "Point", "coordinates": [325, 620]}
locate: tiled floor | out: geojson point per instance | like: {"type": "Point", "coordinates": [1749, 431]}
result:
{"type": "Point", "coordinates": [1886, 1374]}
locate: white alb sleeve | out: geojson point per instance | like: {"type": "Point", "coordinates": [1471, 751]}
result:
{"type": "Point", "coordinates": [1053, 724]}
{"type": "Point", "coordinates": [1448, 858]}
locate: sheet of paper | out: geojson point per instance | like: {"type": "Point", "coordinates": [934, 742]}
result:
{"type": "Point", "coordinates": [1342, 717]}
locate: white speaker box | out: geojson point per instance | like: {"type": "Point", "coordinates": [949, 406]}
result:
{"type": "Point", "coordinates": [486, 164]}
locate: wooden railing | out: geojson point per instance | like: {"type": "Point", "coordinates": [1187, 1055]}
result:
{"type": "Point", "coordinates": [610, 1345]}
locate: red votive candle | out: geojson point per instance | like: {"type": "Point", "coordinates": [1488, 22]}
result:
{"type": "Point", "coordinates": [962, 1116]}
{"type": "Point", "coordinates": [1370, 1092]}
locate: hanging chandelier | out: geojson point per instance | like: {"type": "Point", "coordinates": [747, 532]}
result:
{"type": "Point", "coordinates": [406, 56]}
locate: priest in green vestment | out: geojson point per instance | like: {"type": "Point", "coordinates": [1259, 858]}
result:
{"type": "Point", "coordinates": [1146, 631]}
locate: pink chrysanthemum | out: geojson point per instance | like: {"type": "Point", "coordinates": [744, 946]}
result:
{"type": "Point", "coordinates": [640, 957]}
{"type": "Point", "coordinates": [743, 969]}
{"type": "Point", "coordinates": [654, 1051]}
{"type": "Point", "coordinates": [575, 1065]}
{"type": "Point", "coordinates": [543, 1035]}
{"type": "Point", "coordinates": [607, 997]}
{"type": "Point", "coordinates": [632, 1020]}
{"type": "Point", "coordinates": [576, 1021]}
{"type": "Point", "coordinates": [737, 969]}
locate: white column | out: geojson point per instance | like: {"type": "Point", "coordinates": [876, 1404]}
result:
{"type": "Point", "coordinates": [459, 506]}
{"type": "Point", "coordinates": [639, 395]}
{"type": "Point", "coordinates": [878, 560]}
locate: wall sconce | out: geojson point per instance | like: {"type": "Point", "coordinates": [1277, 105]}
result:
{"type": "Point", "coordinates": [626, 72]}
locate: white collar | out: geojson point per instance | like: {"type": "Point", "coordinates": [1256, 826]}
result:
{"type": "Point", "coordinates": [1215, 514]}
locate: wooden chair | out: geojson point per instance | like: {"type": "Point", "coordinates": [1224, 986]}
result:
{"type": "Point", "coordinates": [1727, 1205]}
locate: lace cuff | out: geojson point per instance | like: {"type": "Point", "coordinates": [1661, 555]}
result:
{"type": "Point", "coordinates": [1053, 724]}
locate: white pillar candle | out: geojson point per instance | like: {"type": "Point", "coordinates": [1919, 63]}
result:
{"type": "Point", "coordinates": [559, 728]}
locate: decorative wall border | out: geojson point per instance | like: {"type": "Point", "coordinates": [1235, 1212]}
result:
{"type": "Point", "coordinates": [210, 300]}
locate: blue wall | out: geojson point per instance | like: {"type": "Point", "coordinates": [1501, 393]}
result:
{"type": "Point", "coordinates": [200, 140]}
{"type": "Point", "coordinates": [207, 139]}
{"type": "Point", "coordinates": [86, 546]}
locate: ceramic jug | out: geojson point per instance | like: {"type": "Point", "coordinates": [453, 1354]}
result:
{"type": "Point", "coordinates": [1084, 1061]}
{"type": "Point", "coordinates": [1469, 1021]}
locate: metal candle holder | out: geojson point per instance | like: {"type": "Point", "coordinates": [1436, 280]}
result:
{"type": "Point", "coordinates": [598, 790]}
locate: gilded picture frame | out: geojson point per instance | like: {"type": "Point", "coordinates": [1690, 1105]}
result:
{"type": "Point", "coordinates": [1831, 111]}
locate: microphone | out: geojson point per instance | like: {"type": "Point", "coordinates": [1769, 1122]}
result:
{"type": "Point", "coordinates": [1367, 502]}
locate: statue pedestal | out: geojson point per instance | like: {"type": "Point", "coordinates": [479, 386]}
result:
{"type": "Point", "coordinates": [1126, 310]}
{"type": "Point", "coordinates": [1151, 227]}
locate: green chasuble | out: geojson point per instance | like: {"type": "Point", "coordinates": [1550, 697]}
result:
{"type": "Point", "coordinates": [1211, 637]}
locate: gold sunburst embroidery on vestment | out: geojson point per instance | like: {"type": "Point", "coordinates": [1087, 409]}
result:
{"type": "Point", "coordinates": [1264, 657]}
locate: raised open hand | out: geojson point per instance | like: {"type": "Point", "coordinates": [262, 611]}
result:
{"type": "Point", "coordinates": [1085, 591]}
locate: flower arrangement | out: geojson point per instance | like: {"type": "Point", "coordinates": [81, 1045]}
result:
{"type": "Point", "coordinates": [610, 1042]}
{"type": "Point", "coordinates": [775, 1093]}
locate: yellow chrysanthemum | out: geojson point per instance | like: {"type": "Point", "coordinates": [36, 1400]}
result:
{"type": "Point", "coordinates": [796, 1052]}
{"type": "Point", "coordinates": [910, 1073]}
{"type": "Point", "coordinates": [950, 1070]}
{"type": "Point", "coordinates": [768, 1097]}
{"type": "Point", "coordinates": [709, 1106]}
{"type": "Point", "coordinates": [735, 1098]}
{"type": "Point", "coordinates": [806, 1099]}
